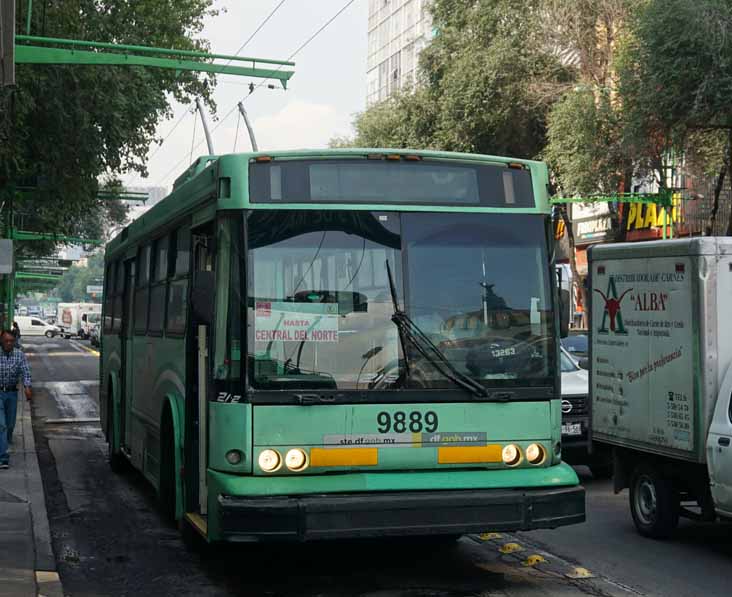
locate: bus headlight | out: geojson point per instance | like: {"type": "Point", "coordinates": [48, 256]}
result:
{"type": "Point", "coordinates": [296, 459]}
{"type": "Point", "coordinates": [233, 457]}
{"type": "Point", "coordinates": [535, 454]}
{"type": "Point", "coordinates": [511, 454]}
{"type": "Point", "coordinates": [269, 460]}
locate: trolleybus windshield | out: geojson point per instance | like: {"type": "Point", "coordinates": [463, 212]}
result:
{"type": "Point", "coordinates": [320, 310]}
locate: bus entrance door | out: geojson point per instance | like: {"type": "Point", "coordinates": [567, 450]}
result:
{"type": "Point", "coordinates": [202, 422]}
{"type": "Point", "coordinates": [202, 307]}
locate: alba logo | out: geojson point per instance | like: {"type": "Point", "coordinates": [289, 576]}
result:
{"type": "Point", "coordinates": [612, 309]}
{"type": "Point", "coordinates": [650, 301]}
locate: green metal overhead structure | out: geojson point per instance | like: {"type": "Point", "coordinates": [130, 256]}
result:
{"type": "Point", "coordinates": [31, 49]}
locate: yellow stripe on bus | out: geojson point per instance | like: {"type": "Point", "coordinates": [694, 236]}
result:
{"type": "Point", "coordinates": [344, 457]}
{"type": "Point", "coordinates": [469, 454]}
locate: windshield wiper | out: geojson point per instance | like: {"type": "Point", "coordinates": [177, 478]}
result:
{"type": "Point", "coordinates": [408, 330]}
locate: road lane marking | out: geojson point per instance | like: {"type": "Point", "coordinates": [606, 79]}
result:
{"type": "Point", "coordinates": [57, 354]}
{"type": "Point", "coordinates": [54, 384]}
{"type": "Point", "coordinates": [71, 421]}
{"type": "Point", "coordinates": [82, 347]}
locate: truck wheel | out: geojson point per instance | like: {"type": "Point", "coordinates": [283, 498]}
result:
{"type": "Point", "coordinates": [50, 334]}
{"type": "Point", "coordinates": [654, 503]}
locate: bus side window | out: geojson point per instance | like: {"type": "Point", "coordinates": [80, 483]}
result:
{"type": "Point", "coordinates": [119, 290]}
{"type": "Point", "coordinates": [158, 286]}
{"type": "Point", "coordinates": [108, 296]}
{"type": "Point", "coordinates": [142, 290]}
{"type": "Point", "coordinates": [178, 271]}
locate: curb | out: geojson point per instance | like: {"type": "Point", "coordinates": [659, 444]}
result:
{"type": "Point", "coordinates": [48, 582]}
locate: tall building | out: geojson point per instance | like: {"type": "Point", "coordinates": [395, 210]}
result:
{"type": "Point", "coordinates": [398, 30]}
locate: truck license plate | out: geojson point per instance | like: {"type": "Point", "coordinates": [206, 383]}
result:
{"type": "Point", "coordinates": [572, 429]}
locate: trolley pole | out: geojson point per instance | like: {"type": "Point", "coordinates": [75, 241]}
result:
{"type": "Point", "coordinates": [209, 142]}
{"type": "Point", "coordinates": [249, 126]}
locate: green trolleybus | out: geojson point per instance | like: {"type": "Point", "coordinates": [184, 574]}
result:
{"type": "Point", "coordinates": [321, 344]}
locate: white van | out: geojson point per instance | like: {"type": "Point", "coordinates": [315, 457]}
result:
{"type": "Point", "coordinates": [35, 326]}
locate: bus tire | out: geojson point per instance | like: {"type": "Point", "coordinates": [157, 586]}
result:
{"type": "Point", "coordinates": [654, 502]}
{"type": "Point", "coordinates": [117, 462]}
{"type": "Point", "coordinates": [166, 485]}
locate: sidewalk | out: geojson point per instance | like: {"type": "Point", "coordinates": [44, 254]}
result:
{"type": "Point", "coordinates": [27, 564]}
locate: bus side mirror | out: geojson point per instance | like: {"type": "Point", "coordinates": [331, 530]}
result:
{"type": "Point", "coordinates": [564, 303]}
{"type": "Point", "coordinates": [203, 297]}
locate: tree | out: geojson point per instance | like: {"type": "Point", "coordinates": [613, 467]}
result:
{"type": "Point", "coordinates": [72, 286]}
{"type": "Point", "coordinates": [68, 127]}
{"type": "Point", "coordinates": [676, 82]}
{"type": "Point", "coordinates": [484, 85]}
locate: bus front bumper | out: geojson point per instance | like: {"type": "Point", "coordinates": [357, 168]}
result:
{"type": "Point", "coordinates": [339, 516]}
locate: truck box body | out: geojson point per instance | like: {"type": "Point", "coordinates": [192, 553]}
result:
{"type": "Point", "coordinates": [658, 312]}
{"type": "Point", "coordinates": [69, 315]}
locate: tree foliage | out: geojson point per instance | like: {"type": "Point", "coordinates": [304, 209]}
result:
{"type": "Point", "coordinates": [66, 128]}
{"type": "Point", "coordinates": [72, 286]}
{"type": "Point", "coordinates": [482, 87]}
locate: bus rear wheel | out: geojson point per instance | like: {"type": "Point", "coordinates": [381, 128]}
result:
{"type": "Point", "coordinates": [166, 485]}
{"type": "Point", "coordinates": [654, 503]}
{"type": "Point", "coordinates": [117, 462]}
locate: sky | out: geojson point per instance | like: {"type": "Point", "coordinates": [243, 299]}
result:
{"type": "Point", "coordinates": [327, 89]}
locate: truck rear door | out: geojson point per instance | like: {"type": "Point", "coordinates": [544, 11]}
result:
{"type": "Point", "coordinates": [719, 449]}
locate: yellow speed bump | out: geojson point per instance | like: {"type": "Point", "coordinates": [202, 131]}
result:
{"type": "Point", "coordinates": [579, 572]}
{"type": "Point", "coordinates": [489, 536]}
{"type": "Point", "coordinates": [534, 559]}
{"type": "Point", "coordinates": [510, 548]}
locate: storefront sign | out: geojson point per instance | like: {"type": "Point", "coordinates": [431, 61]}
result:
{"type": "Point", "coordinates": [642, 216]}
{"type": "Point", "coordinates": [591, 222]}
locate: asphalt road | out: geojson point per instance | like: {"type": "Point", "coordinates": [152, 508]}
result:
{"type": "Point", "coordinates": [110, 540]}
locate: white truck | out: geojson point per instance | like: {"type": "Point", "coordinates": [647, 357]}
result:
{"type": "Point", "coordinates": [76, 319]}
{"type": "Point", "coordinates": [660, 376]}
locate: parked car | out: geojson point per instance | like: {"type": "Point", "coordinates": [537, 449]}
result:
{"type": "Point", "coordinates": [577, 345]}
{"type": "Point", "coordinates": [94, 335]}
{"type": "Point", "coordinates": [35, 326]}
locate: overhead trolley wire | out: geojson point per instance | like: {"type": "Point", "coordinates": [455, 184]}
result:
{"type": "Point", "coordinates": [170, 132]}
{"type": "Point", "coordinates": [290, 57]}
{"type": "Point", "coordinates": [258, 29]}
{"type": "Point", "coordinates": [244, 45]}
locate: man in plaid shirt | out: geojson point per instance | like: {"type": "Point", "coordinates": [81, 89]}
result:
{"type": "Point", "coordinates": [13, 365]}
